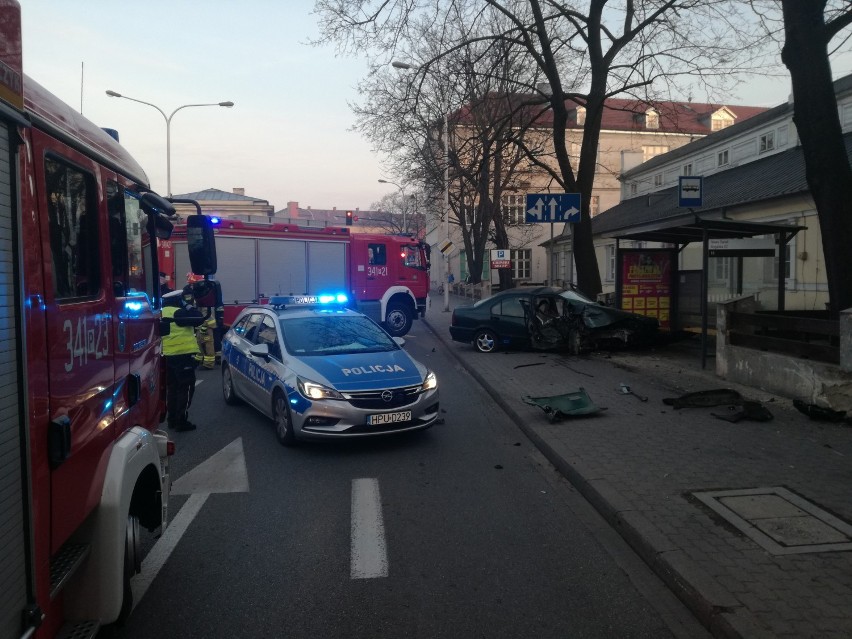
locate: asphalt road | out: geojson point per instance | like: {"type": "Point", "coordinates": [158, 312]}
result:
{"type": "Point", "coordinates": [460, 531]}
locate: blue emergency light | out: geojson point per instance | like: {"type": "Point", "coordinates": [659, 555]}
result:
{"type": "Point", "coordinates": [325, 299]}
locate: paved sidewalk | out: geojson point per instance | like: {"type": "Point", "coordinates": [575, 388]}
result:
{"type": "Point", "coordinates": [773, 560]}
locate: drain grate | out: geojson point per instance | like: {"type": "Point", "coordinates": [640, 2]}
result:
{"type": "Point", "coordinates": [779, 521]}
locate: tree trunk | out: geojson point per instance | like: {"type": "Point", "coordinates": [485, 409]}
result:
{"type": "Point", "coordinates": [827, 168]}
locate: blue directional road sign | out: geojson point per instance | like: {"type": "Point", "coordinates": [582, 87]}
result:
{"type": "Point", "coordinates": [553, 207]}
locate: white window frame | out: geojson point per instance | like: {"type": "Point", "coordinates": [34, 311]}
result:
{"type": "Point", "coordinates": [723, 158]}
{"type": "Point", "coordinates": [514, 208]}
{"type": "Point", "coordinates": [767, 142]}
{"type": "Point", "coordinates": [687, 169]}
{"type": "Point", "coordinates": [610, 262]}
{"type": "Point", "coordinates": [652, 119]}
{"type": "Point", "coordinates": [658, 179]}
{"type": "Point", "coordinates": [521, 264]}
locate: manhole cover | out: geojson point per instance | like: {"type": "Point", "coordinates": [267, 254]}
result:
{"type": "Point", "coordinates": [780, 521]}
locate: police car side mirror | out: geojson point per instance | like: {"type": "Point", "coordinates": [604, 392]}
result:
{"type": "Point", "coordinates": [260, 350]}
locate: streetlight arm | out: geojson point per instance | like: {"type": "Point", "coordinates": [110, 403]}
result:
{"type": "Point", "coordinates": [113, 94]}
{"type": "Point", "coordinates": [168, 119]}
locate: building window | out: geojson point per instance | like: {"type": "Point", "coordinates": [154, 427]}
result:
{"type": "Point", "coordinates": [722, 158]}
{"type": "Point", "coordinates": [687, 169]}
{"type": "Point", "coordinates": [658, 179]}
{"type": "Point", "coordinates": [514, 208]}
{"type": "Point", "coordinates": [652, 119]}
{"type": "Point", "coordinates": [767, 142]}
{"type": "Point", "coordinates": [581, 115]}
{"type": "Point", "coordinates": [720, 122]}
{"type": "Point", "coordinates": [634, 188]}
{"type": "Point", "coordinates": [610, 263]}
{"type": "Point", "coordinates": [521, 264]}
{"type": "Point", "coordinates": [649, 152]}
{"type": "Point", "coordinates": [594, 205]}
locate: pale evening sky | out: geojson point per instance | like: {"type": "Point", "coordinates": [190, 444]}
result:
{"type": "Point", "coordinates": [288, 136]}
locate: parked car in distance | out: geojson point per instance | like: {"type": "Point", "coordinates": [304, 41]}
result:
{"type": "Point", "coordinates": [548, 318]}
{"type": "Point", "coordinates": [322, 371]}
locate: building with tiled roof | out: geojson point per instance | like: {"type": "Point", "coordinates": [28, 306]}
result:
{"type": "Point", "coordinates": [639, 130]}
{"type": "Point", "coordinates": [752, 172]}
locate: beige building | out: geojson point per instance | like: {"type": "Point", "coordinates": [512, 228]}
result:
{"type": "Point", "coordinates": [752, 172]}
{"type": "Point", "coordinates": [631, 133]}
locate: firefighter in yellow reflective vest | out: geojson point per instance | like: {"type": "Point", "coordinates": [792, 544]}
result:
{"type": "Point", "coordinates": [204, 334]}
{"type": "Point", "coordinates": [179, 349]}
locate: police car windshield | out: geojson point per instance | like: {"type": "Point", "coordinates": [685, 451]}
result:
{"type": "Point", "coordinates": [334, 335]}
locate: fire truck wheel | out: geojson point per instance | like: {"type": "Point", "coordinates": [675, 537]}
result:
{"type": "Point", "coordinates": [228, 386]}
{"type": "Point", "coordinates": [132, 566]}
{"type": "Point", "coordinates": [283, 420]}
{"type": "Point", "coordinates": [398, 320]}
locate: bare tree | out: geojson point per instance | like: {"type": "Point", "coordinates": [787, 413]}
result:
{"type": "Point", "coordinates": [586, 50]}
{"type": "Point", "coordinates": [809, 28]}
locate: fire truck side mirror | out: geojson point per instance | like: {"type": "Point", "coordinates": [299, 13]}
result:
{"type": "Point", "coordinates": [159, 211]}
{"type": "Point", "coordinates": [201, 244]}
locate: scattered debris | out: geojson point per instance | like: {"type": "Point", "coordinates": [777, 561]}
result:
{"type": "Point", "coordinates": [572, 404]}
{"type": "Point", "coordinates": [754, 411]}
{"type": "Point", "coordinates": [741, 408]}
{"type": "Point", "coordinates": [625, 389]}
{"type": "Point", "coordinates": [705, 399]}
{"type": "Point", "coordinates": [819, 413]}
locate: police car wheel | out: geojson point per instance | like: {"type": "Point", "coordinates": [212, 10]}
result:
{"type": "Point", "coordinates": [283, 421]}
{"type": "Point", "coordinates": [228, 386]}
{"type": "Point", "coordinates": [485, 341]}
{"type": "Point", "coordinates": [398, 320]}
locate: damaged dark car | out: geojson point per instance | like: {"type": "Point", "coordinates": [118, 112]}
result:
{"type": "Point", "coordinates": [548, 318]}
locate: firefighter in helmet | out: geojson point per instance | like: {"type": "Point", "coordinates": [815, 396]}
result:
{"type": "Point", "coordinates": [205, 334]}
{"type": "Point", "coordinates": [179, 349]}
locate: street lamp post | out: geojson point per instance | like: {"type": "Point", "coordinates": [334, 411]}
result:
{"type": "Point", "coordinates": [401, 190]}
{"type": "Point", "coordinates": [405, 65]}
{"type": "Point", "coordinates": [168, 119]}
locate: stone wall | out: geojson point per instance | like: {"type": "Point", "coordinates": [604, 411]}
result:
{"type": "Point", "coordinates": [818, 383]}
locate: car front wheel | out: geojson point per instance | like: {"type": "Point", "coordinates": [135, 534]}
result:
{"type": "Point", "coordinates": [485, 341]}
{"type": "Point", "coordinates": [283, 420]}
{"type": "Point", "coordinates": [228, 386]}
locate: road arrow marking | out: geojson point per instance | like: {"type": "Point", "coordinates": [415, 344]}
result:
{"type": "Point", "coordinates": [224, 472]}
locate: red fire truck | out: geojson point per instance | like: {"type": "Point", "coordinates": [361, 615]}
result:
{"type": "Point", "coordinates": [385, 275]}
{"type": "Point", "coordinates": [84, 468]}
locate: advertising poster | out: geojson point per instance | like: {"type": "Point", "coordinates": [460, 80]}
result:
{"type": "Point", "coordinates": [646, 283]}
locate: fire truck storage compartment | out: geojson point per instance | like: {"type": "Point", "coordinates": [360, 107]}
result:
{"type": "Point", "coordinates": [296, 267]}
{"type": "Point", "coordinates": [250, 267]}
{"type": "Point", "coordinates": [13, 564]}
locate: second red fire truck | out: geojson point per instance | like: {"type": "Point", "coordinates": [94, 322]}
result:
{"type": "Point", "coordinates": [385, 275]}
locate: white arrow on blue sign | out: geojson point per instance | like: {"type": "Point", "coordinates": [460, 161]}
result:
{"type": "Point", "coordinates": [553, 207]}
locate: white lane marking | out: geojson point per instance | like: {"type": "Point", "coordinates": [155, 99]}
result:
{"type": "Point", "coordinates": [161, 550]}
{"type": "Point", "coordinates": [369, 557]}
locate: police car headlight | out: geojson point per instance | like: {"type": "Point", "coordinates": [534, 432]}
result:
{"type": "Point", "coordinates": [312, 390]}
{"type": "Point", "coordinates": [430, 382]}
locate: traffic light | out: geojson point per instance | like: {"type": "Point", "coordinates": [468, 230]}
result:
{"type": "Point", "coordinates": [348, 218]}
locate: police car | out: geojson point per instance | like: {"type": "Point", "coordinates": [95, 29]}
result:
{"type": "Point", "coordinates": [320, 370]}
